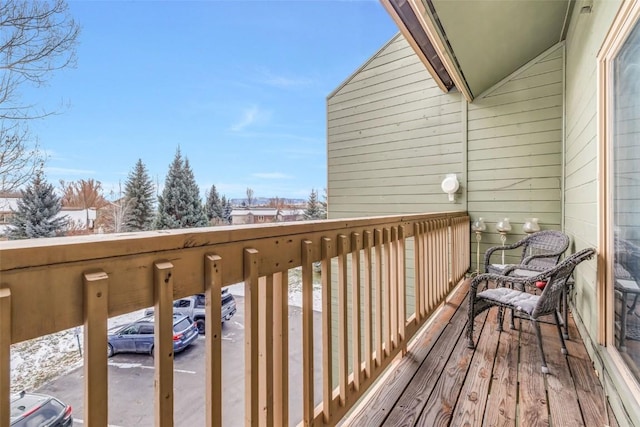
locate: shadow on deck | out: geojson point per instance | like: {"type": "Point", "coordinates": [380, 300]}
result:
{"type": "Point", "coordinates": [441, 382]}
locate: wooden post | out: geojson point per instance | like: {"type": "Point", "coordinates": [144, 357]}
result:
{"type": "Point", "coordinates": [327, 346]}
{"type": "Point", "coordinates": [343, 336]}
{"type": "Point", "coordinates": [96, 374]}
{"type": "Point", "coordinates": [307, 334]}
{"type": "Point", "coordinates": [368, 318]}
{"type": "Point", "coordinates": [251, 319]}
{"type": "Point", "coordinates": [5, 356]}
{"type": "Point", "coordinates": [356, 245]}
{"type": "Point", "coordinates": [163, 343]}
{"type": "Point", "coordinates": [378, 312]}
{"type": "Point", "coordinates": [266, 350]}
{"type": "Point", "coordinates": [213, 339]}
{"type": "Point", "coordinates": [281, 348]}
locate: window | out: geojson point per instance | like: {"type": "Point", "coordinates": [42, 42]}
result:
{"type": "Point", "coordinates": [620, 68]}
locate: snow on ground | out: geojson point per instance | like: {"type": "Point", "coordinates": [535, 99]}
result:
{"type": "Point", "coordinates": [38, 361]}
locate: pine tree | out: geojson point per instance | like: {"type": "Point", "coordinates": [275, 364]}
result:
{"type": "Point", "coordinates": [180, 206]}
{"type": "Point", "coordinates": [138, 194]}
{"type": "Point", "coordinates": [37, 213]}
{"type": "Point", "coordinates": [226, 210]}
{"type": "Point", "coordinates": [314, 208]}
{"type": "Point", "coordinates": [213, 206]}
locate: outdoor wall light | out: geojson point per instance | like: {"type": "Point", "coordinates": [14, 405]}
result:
{"type": "Point", "coordinates": [450, 185]}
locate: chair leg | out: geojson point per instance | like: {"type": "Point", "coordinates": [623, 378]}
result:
{"type": "Point", "coordinates": [564, 347]}
{"type": "Point", "coordinates": [500, 318]}
{"type": "Point", "coordinates": [545, 370]}
{"type": "Point", "coordinates": [470, 322]}
{"type": "Point", "coordinates": [512, 323]}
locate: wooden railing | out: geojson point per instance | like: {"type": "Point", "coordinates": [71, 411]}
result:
{"type": "Point", "coordinates": [386, 273]}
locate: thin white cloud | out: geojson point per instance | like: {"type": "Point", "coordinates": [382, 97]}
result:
{"type": "Point", "coordinates": [284, 81]}
{"type": "Point", "coordinates": [249, 117]}
{"type": "Point", "coordinates": [272, 175]}
{"type": "Point", "coordinates": [68, 171]}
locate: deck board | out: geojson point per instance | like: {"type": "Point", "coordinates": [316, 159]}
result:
{"type": "Point", "coordinates": [440, 382]}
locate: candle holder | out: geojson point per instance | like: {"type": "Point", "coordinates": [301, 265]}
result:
{"type": "Point", "coordinates": [478, 226]}
{"type": "Point", "coordinates": [530, 226]}
{"type": "Point", "coordinates": [503, 226]}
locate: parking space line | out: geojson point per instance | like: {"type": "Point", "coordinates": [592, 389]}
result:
{"type": "Point", "coordinates": [76, 420]}
{"type": "Point", "coordinates": [140, 365]}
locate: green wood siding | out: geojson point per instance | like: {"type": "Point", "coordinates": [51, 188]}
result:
{"type": "Point", "coordinates": [584, 39]}
{"type": "Point", "coordinates": [515, 150]}
{"type": "Point", "coordinates": [392, 136]}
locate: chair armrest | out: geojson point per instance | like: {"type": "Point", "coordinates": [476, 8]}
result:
{"type": "Point", "coordinates": [491, 250]}
{"type": "Point", "coordinates": [530, 258]}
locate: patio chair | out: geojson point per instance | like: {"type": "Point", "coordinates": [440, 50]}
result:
{"type": "Point", "coordinates": [527, 305]}
{"type": "Point", "coordinates": [541, 249]}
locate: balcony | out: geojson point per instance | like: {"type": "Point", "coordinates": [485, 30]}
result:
{"type": "Point", "coordinates": [382, 279]}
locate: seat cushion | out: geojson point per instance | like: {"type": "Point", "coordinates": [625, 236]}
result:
{"type": "Point", "coordinates": [522, 301]}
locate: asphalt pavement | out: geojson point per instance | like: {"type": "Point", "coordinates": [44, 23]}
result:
{"type": "Point", "coordinates": [131, 386]}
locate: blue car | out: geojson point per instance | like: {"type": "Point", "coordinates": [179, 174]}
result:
{"type": "Point", "coordinates": [137, 337]}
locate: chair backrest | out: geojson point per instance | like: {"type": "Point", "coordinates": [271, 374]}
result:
{"type": "Point", "coordinates": [548, 301]}
{"type": "Point", "coordinates": [546, 242]}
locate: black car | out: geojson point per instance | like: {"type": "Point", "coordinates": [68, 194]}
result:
{"type": "Point", "coordinates": [39, 410]}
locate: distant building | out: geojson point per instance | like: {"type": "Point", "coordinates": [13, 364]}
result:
{"type": "Point", "coordinates": [265, 215]}
{"type": "Point", "coordinates": [80, 220]}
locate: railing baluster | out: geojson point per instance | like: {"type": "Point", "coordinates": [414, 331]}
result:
{"type": "Point", "coordinates": [5, 356]}
{"type": "Point", "coordinates": [378, 314]}
{"type": "Point", "coordinates": [343, 336]}
{"type": "Point", "coordinates": [266, 349]}
{"type": "Point", "coordinates": [307, 333]}
{"type": "Point", "coordinates": [327, 342]}
{"type": "Point", "coordinates": [280, 349]}
{"type": "Point", "coordinates": [393, 283]}
{"type": "Point", "coordinates": [356, 341]}
{"type": "Point", "coordinates": [251, 319]}
{"type": "Point", "coordinates": [418, 271]}
{"type": "Point", "coordinates": [387, 292]}
{"type": "Point", "coordinates": [368, 329]}
{"type": "Point", "coordinates": [163, 343]}
{"type": "Point", "coordinates": [213, 339]}
{"type": "Point", "coordinates": [96, 312]}
{"type": "Point", "coordinates": [402, 289]}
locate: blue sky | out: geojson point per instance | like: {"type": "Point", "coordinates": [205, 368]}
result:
{"type": "Point", "coordinates": [240, 86]}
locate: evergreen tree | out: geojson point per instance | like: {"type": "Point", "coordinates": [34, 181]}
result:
{"type": "Point", "coordinates": [180, 206]}
{"type": "Point", "coordinates": [226, 210]}
{"type": "Point", "coordinates": [213, 206]}
{"type": "Point", "coordinates": [38, 212]}
{"type": "Point", "coordinates": [314, 208]}
{"type": "Point", "coordinates": [138, 194]}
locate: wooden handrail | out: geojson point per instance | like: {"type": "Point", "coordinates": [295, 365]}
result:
{"type": "Point", "coordinates": [380, 304]}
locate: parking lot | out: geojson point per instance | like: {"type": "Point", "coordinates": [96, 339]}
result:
{"type": "Point", "coordinates": [131, 388]}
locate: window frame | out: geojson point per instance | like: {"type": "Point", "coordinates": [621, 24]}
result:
{"type": "Point", "coordinates": [627, 18]}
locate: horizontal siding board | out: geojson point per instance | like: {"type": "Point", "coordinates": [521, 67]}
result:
{"type": "Point", "coordinates": [528, 82]}
{"type": "Point", "coordinates": [425, 153]}
{"type": "Point", "coordinates": [533, 183]}
{"type": "Point", "coordinates": [532, 116]}
{"type": "Point", "coordinates": [515, 140]}
{"type": "Point", "coordinates": [486, 173]}
{"type": "Point", "coordinates": [513, 162]}
{"type": "Point", "coordinates": [434, 126]}
{"type": "Point", "coordinates": [379, 80]}
{"type": "Point", "coordinates": [404, 141]}
{"type": "Point", "coordinates": [437, 170]}
{"type": "Point", "coordinates": [512, 97]}
{"type": "Point", "coordinates": [421, 107]}
{"type": "Point", "coordinates": [553, 100]}
{"type": "Point", "coordinates": [514, 195]}
{"type": "Point", "coordinates": [516, 129]}
{"type": "Point", "coordinates": [554, 147]}
{"type": "Point", "coordinates": [406, 112]}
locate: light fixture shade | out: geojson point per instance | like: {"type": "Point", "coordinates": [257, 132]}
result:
{"type": "Point", "coordinates": [478, 225]}
{"type": "Point", "coordinates": [531, 225]}
{"type": "Point", "coordinates": [503, 226]}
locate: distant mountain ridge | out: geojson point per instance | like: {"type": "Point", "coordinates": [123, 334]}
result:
{"type": "Point", "coordinates": [264, 201]}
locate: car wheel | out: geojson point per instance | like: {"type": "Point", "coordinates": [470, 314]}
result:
{"type": "Point", "coordinates": [151, 351]}
{"type": "Point", "coordinates": [109, 350]}
{"type": "Point", "coordinates": [200, 325]}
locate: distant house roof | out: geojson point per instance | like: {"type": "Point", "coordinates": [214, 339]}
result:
{"type": "Point", "coordinates": [266, 212]}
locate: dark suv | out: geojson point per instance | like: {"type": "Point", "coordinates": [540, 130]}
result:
{"type": "Point", "coordinates": [39, 410]}
{"type": "Point", "coordinates": [138, 337]}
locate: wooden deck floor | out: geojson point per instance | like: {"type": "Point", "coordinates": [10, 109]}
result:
{"type": "Point", "coordinates": [440, 382]}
